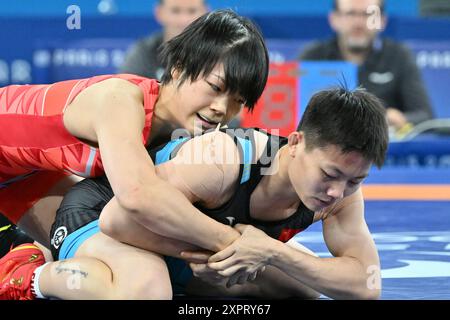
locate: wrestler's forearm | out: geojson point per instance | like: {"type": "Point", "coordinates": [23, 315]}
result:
{"type": "Point", "coordinates": [183, 223]}
{"type": "Point", "coordinates": [337, 277]}
{"type": "Point", "coordinates": [135, 234]}
{"type": "Point", "coordinates": [151, 201]}
{"type": "Point", "coordinates": [177, 218]}
{"type": "Point", "coordinates": [153, 242]}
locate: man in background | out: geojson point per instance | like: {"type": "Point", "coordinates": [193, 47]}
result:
{"type": "Point", "coordinates": [385, 68]}
{"type": "Point", "coordinates": [173, 15]}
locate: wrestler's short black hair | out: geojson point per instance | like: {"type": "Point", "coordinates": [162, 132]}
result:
{"type": "Point", "coordinates": [221, 36]}
{"type": "Point", "coordinates": [352, 120]}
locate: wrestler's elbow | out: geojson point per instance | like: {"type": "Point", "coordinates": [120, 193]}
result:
{"type": "Point", "coordinates": [372, 282]}
{"type": "Point", "coordinates": [357, 293]}
{"type": "Point", "coordinates": [368, 290]}
{"type": "Point", "coordinates": [361, 285]}
{"type": "Point", "coordinates": [130, 200]}
{"type": "Point", "coordinates": [366, 294]}
{"type": "Point", "coordinates": [373, 294]}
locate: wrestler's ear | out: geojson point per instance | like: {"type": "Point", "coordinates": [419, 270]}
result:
{"type": "Point", "coordinates": [176, 72]}
{"type": "Point", "coordinates": [295, 139]}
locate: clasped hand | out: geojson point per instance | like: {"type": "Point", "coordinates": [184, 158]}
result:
{"type": "Point", "coordinates": [240, 262]}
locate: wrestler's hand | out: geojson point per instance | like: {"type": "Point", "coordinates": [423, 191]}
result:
{"type": "Point", "coordinates": [196, 257]}
{"type": "Point", "coordinates": [245, 257]}
{"type": "Point", "coordinates": [213, 277]}
{"type": "Point", "coordinates": [208, 275]}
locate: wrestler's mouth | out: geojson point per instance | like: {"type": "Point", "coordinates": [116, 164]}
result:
{"type": "Point", "coordinates": [325, 203]}
{"type": "Point", "coordinates": [207, 122]}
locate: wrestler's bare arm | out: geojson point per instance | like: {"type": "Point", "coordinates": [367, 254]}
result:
{"type": "Point", "coordinates": [111, 114]}
{"type": "Point", "coordinates": [354, 271]}
{"type": "Point", "coordinates": [205, 170]}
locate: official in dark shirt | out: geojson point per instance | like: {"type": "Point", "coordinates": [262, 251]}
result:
{"type": "Point", "coordinates": [173, 15]}
{"type": "Point", "coordinates": [385, 68]}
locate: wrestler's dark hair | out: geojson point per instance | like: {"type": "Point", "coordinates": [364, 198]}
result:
{"type": "Point", "coordinates": [220, 36]}
{"type": "Point", "coordinates": [352, 120]}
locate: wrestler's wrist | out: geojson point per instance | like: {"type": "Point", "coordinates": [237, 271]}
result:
{"type": "Point", "coordinates": [273, 252]}
{"type": "Point", "coordinates": [227, 238]}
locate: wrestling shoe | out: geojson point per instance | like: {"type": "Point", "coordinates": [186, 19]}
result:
{"type": "Point", "coordinates": [17, 272]}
